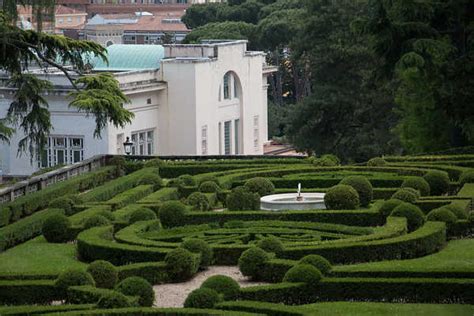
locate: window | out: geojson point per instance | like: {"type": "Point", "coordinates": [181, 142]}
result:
{"type": "Point", "coordinates": [148, 101]}
{"type": "Point", "coordinates": [220, 138]}
{"type": "Point", "coordinates": [69, 19]}
{"type": "Point", "coordinates": [227, 86]}
{"type": "Point", "coordinates": [120, 141]}
{"type": "Point", "coordinates": [236, 92]}
{"type": "Point", "coordinates": [78, 19]}
{"type": "Point", "coordinates": [204, 140]}
{"type": "Point", "coordinates": [255, 132]}
{"type": "Point", "coordinates": [62, 150]}
{"type": "Point", "coordinates": [60, 21]}
{"type": "Point", "coordinates": [236, 136]}
{"type": "Point", "coordinates": [227, 145]}
{"type": "Point", "coordinates": [143, 143]}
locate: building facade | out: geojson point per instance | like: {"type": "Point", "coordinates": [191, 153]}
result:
{"type": "Point", "coordinates": [208, 99]}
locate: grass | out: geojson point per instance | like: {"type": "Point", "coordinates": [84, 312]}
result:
{"type": "Point", "coordinates": [38, 257]}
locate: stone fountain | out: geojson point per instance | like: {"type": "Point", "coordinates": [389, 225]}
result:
{"type": "Point", "coordinates": [293, 201]}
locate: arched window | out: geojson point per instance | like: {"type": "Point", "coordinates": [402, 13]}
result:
{"type": "Point", "coordinates": [229, 87]}
{"type": "Point", "coordinates": [227, 79]}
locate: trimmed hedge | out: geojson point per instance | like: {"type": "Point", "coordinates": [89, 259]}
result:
{"type": "Point", "coordinates": [413, 214]}
{"type": "Point", "coordinates": [417, 183]}
{"type": "Point", "coordinates": [87, 294]}
{"type": "Point", "coordinates": [202, 298]}
{"type": "Point", "coordinates": [181, 264]}
{"type": "Point", "coordinates": [57, 228]}
{"type": "Point", "coordinates": [104, 274]}
{"type": "Point", "coordinates": [137, 286]}
{"type": "Point", "coordinates": [41, 309]}
{"type": "Point", "coordinates": [438, 181]}
{"type": "Point", "coordinates": [29, 292]}
{"type": "Point", "coordinates": [222, 284]}
{"type": "Point", "coordinates": [129, 196]}
{"type": "Point", "coordinates": [363, 188]}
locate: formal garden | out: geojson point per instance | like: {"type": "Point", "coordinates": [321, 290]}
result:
{"type": "Point", "coordinates": [187, 237]}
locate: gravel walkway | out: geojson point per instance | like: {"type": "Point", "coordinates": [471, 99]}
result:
{"type": "Point", "coordinates": [174, 294]}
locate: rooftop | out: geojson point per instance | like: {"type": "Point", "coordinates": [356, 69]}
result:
{"type": "Point", "coordinates": [130, 57]}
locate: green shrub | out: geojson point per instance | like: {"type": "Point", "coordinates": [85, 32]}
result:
{"type": "Point", "coordinates": [413, 214]}
{"type": "Point", "coordinates": [376, 162]}
{"type": "Point", "coordinates": [414, 191]}
{"type": "Point", "coordinates": [317, 261]}
{"type": "Point", "coordinates": [405, 195]}
{"type": "Point", "coordinates": [152, 179]}
{"type": "Point", "coordinates": [107, 214]}
{"type": "Point", "coordinates": [142, 214]}
{"type": "Point", "coordinates": [136, 286]}
{"type": "Point", "coordinates": [209, 187]}
{"type": "Point", "coordinates": [417, 183]}
{"type": "Point", "coordinates": [202, 298]}
{"type": "Point", "coordinates": [172, 214]}
{"type": "Point", "coordinates": [252, 262]}
{"type": "Point", "coordinates": [104, 274]}
{"type": "Point", "coordinates": [74, 277]}
{"type": "Point", "coordinates": [442, 214]}
{"type": "Point", "coordinates": [304, 273]}
{"type": "Point", "coordinates": [271, 244]}
{"type": "Point", "coordinates": [363, 188]}
{"type": "Point", "coordinates": [341, 197]}
{"type": "Point", "coordinates": [259, 185]}
{"type": "Point", "coordinates": [198, 201]}
{"type": "Point", "coordinates": [95, 221]}
{"type": "Point", "coordinates": [234, 224]}
{"type": "Point", "coordinates": [222, 284]}
{"type": "Point", "coordinates": [63, 203]}
{"type": "Point", "coordinates": [200, 247]}
{"type": "Point", "coordinates": [457, 210]}
{"type": "Point", "coordinates": [119, 162]}
{"type": "Point", "coordinates": [113, 300]}
{"type": "Point", "coordinates": [240, 199]}
{"type": "Point", "coordinates": [387, 207]}
{"type": "Point", "coordinates": [327, 160]}
{"type": "Point", "coordinates": [181, 264]}
{"type": "Point", "coordinates": [57, 228]}
{"type": "Point", "coordinates": [156, 162]}
{"type": "Point", "coordinates": [467, 177]}
{"type": "Point", "coordinates": [207, 178]}
{"type": "Point", "coordinates": [438, 181]}
{"type": "Point", "coordinates": [186, 180]}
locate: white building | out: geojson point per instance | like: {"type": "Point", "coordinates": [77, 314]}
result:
{"type": "Point", "coordinates": [208, 99]}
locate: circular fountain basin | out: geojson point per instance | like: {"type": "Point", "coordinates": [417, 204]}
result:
{"type": "Point", "coordinates": [287, 201]}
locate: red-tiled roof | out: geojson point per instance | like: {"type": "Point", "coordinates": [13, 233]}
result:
{"type": "Point", "coordinates": [156, 23]}
{"type": "Point", "coordinates": [63, 10]}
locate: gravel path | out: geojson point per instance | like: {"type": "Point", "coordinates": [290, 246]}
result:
{"type": "Point", "coordinates": [174, 294]}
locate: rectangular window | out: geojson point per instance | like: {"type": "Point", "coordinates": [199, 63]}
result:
{"type": "Point", "coordinates": [227, 86]}
{"type": "Point", "coordinates": [62, 150]}
{"type": "Point", "coordinates": [227, 144]}
{"type": "Point", "coordinates": [204, 140]}
{"type": "Point", "coordinates": [220, 138]}
{"type": "Point", "coordinates": [143, 143]}
{"type": "Point", "coordinates": [69, 19]}
{"type": "Point", "coordinates": [255, 132]}
{"type": "Point", "coordinates": [236, 136]}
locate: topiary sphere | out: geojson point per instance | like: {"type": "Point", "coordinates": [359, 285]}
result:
{"type": "Point", "coordinates": [438, 181]}
{"type": "Point", "coordinates": [104, 274]}
{"type": "Point", "coordinates": [317, 261]}
{"type": "Point", "coordinates": [113, 299]}
{"type": "Point", "coordinates": [198, 201]}
{"type": "Point", "coordinates": [151, 179]}
{"type": "Point", "coordinates": [467, 177]}
{"type": "Point", "coordinates": [259, 185]}
{"type": "Point", "coordinates": [186, 180]}
{"type": "Point", "coordinates": [362, 186]}
{"type": "Point", "coordinates": [303, 273]}
{"type": "Point", "coordinates": [414, 191]}
{"type": "Point", "coordinates": [201, 247]}
{"type": "Point", "coordinates": [142, 214]}
{"type": "Point", "coordinates": [209, 187]}
{"type": "Point", "coordinates": [252, 261]}
{"type": "Point", "coordinates": [442, 214]}
{"type": "Point", "coordinates": [181, 264]}
{"type": "Point", "coordinates": [136, 286]}
{"type": "Point", "coordinates": [271, 244]}
{"type": "Point", "coordinates": [387, 207]}
{"type": "Point", "coordinates": [240, 199]}
{"type": "Point", "coordinates": [405, 195]}
{"type": "Point", "coordinates": [460, 212]}
{"type": "Point", "coordinates": [413, 214]}
{"type": "Point", "coordinates": [57, 228]}
{"type": "Point", "coordinates": [376, 162]}
{"type": "Point", "coordinates": [156, 162]}
{"type": "Point", "coordinates": [74, 277]}
{"type": "Point", "coordinates": [417, 183]}
{"type": "Point", "coordinates": [202, 298]}
{"type": "Point", "coordinates": [95, 221]}
{"type": "Point", "coordinates": [64, 203]}
{"type": "Point", "coordinates": [224, 285]}
{"type": "Point", "coordinates": [172, 214]}
{"type": "Point", "coordinates": [341, 197]}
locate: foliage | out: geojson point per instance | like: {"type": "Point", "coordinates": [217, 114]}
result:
{"type": "Point", "coordinates": [405, 195]}
{"type": "Point", "coordinates": [155, 162]}
{"type": "Point", "coordinates": [260, 185]}
{"type": "Point", "coordinates": [186, 180]}
{"type": "Point", "coordinates": [413, 214]}
{"type": "Point", "coordinates": [64, 203]}
{"type": "Point", "coordinates": [252, 260]}
{"type": "Point", "coordinates": [362, 186]}
{"type": "Point", "coordinates": [438, 181]}
{"type": "Point", "coordinates": [376, 162]}
{"type": "Point", "coordinates": [142, 214]}
{"type": "Point", "coordinates": [305, 273]}
{"type": "Point", "coordinates": [417, 183]}
{"type": "Point", "coordinates": [341, 197]}
{"type": "Point", "coordinates": [96, 220]}
{"type": "Point", "coordinates": [457, 210]}
{"type": "Point", "coordinates": [200, 247]}
{"type": "Point", "coordinates": [136, 286]}
{"type": "Point", "coordinates": [442, 214]}
{"type": "Point", "coordinates": [222, 284]}
{"type": "Point", "coordinates": [151, 178]}
{"type": "Point", "coordinates": [387, 207]}
{"type": "Point", "coordinates": [104, 274]}
{"type": "Point", "coordinates": [198, 201]}
{"type": "Point", "coordinates": [271, 244]}
{"type": "Point", "coordinates": [181, 264]}
{"type": "Point", "coordinates": [172, 214]}
{"type": "Point", "coordinates": [73, 277]}
{"type": "Point", "coordinates": [113, 300]}
{"type": "Point", "coordinates": [202, 298]}
{"type": "Point", "coordinates": [467, 177]}
{"type": "Point", "coordinates": [319, 262]}
{"type": "Point", "coordinates": [209, 187]}
{"type": "Point", "coordinates": [56, 228]}
{"type": "Point", "coordinates": [240, 199]}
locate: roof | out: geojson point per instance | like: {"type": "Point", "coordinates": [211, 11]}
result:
{"type": "Point", "coordinates": [163, 23]}
{"type": "Point", "coordinates": [130, 57]}
{"type": "Point", "coordinates": [63, 10]}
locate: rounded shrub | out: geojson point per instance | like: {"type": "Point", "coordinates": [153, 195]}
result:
{"type": "Point", "coordinates": [222, 284]}
{"type": "Point", "coordinates": [64, 203]}
{"type": "Point", "coordinates": [104, 274]}
{"type": "Point", "coordinates": [376, 162]}
{"type": "Point", "coordinates": [414, 191]}
{"type": "Point", "coordinates": [362, 186]}
{"type": "Point", "coordinates": [317, 261]}
{"type": "Point", "coordinates": [341, 197]}
{"type": "Point", "coordinates": [252, 260]}
{"type": "Point", "coordinates": [209, 187]}
{"type": "Point", "coordinates": [136, 286]}
{"type": "Point", "coordinates": [142, 214]}
{"type": "Point", "coordinates": [405, 195]}
{"type": "Point", "coordinates": [457, 210]}
{"type": "Point", "coordinates": [304, 273]}
{"type": "Point", "coordinates": [387, 207]}
{"type": "Point", "coordinates": [240, 199]}
{"type": "Point", "coordinates": [271, 244]}
{"type": "Point", "coordinates": [438, 181]}
{"type": "Point", "coordinates": [208, 178]}
{"type": "Point", "coordinates": [172, 214]}
{"type": "Point", "coordinates": [202, 298]}
{"type": "Point", "coordinates": [107, 214]}
{"type": "Point", "coordinates": [113, 300]}
{"type": "Point", "coordinates": [201, 247]}
{"type": "Point", "coordinates": [417, 183]}
{"type": "Point", "coordinates": [57, 228]}
{"type": "Point", "coordinates": [95, 221]}
{"type": "Point", "coordinates": [259, 185]}
{"type": "Point", "coordinates": [442, 214]}
{"type": "Point", "coordinates": [186, 180]}
{"type": "Point", "coordinates": [74, 277]}
{"type": "Point", "coordinates": [198, 201]}
{"type": "Point", "coordinates": [413, 214]}
{"type": "Point", "coordinates": [151, 179]}
{"type": "Point", "coordinates": [467, 177]}
{"type": "Point", "coordinates": [327, 160]}
{"type": "Point", "coordinates": [156, 162]}
{"type": "Point", "coordinates": [181, 264]}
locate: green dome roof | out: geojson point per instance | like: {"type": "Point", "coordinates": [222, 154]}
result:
{"type": "Point", "coordinates": [130, 57]}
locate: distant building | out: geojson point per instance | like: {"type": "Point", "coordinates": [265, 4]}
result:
{"type": "Point", "coordinates": [208, 99]}
{"type": "Point", "coordinates": [64, 17]}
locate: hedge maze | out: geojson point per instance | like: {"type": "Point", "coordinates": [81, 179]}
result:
{"type": "Point", "coordinates": [396, 236]}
